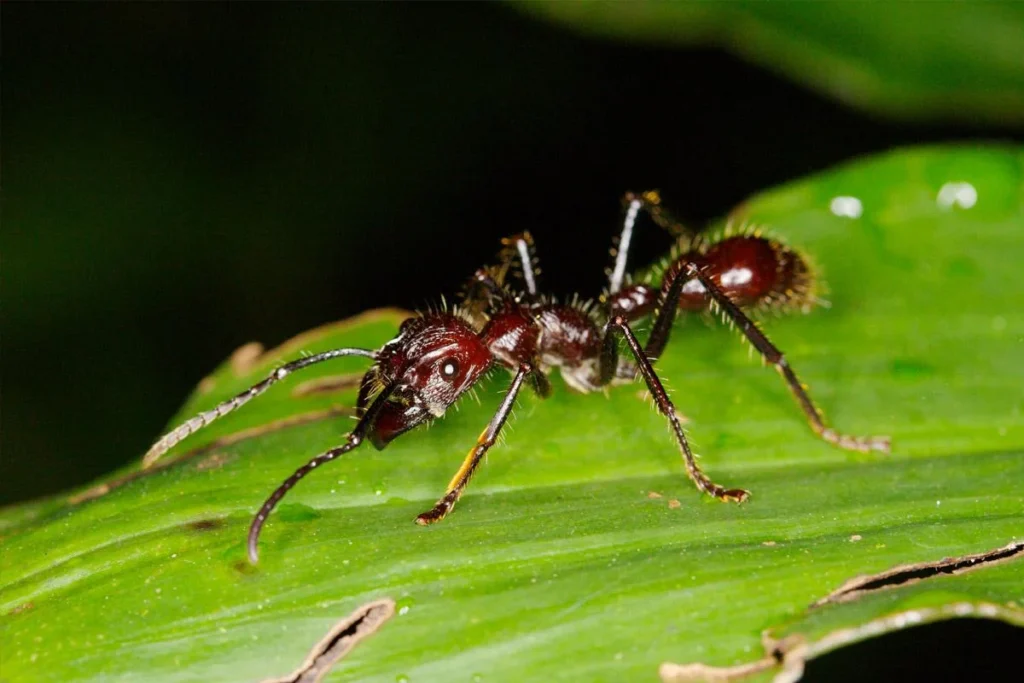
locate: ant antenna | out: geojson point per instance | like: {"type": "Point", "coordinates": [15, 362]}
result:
{"type": "Point", "coordinates": [355, 438]}
{"type": "Point", "coordinates": [172, 438]}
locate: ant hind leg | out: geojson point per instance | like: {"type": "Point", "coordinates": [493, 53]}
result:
{"type": "Point", "coordinates": [773, 355]}
{"type": "Point", "coordinates": [619, 325]}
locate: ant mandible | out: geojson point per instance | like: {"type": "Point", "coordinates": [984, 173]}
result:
{"type": "Point", "coordinates": [438, 356]}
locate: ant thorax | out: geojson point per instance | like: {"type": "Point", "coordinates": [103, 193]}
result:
{"type": "Point", "coordinates": [554, 335]}
{"type": "Point", "coordinates": [511, 335]}
{"type": "Point", "coordinates": [571, 341]}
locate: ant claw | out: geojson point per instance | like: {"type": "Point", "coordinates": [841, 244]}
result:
{"type": "Point", "coordinates": [435, 514]}
{"type": "Point", "coordinates": [734, 496]}
{"type": "Point", "coordinates": [880, 443]}
{"type": "Point", "coordinates": [863, 444]}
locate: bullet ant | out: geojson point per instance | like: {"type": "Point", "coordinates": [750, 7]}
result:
{"type": "Point", "coordinates": [438, 356]}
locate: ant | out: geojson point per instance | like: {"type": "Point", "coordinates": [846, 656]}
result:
{"type": "Point", "coordinates": [438, 356]}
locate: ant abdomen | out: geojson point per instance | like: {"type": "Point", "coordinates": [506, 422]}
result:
{"type": "Point", "coordinates": [753, 270]}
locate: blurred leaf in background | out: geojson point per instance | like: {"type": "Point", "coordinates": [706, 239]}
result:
{"type": "Point", "coordinates": [913, 60]}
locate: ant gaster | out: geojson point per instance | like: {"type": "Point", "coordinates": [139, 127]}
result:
{"type": "Point", "coordinates": [438, 356]}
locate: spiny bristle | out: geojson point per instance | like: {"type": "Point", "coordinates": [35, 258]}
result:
{"type": "Point", "coordinates": [466, 315]}
{"type": "Point", "coordinates": [734, 228]}
{"type": "Point", "coordinates": [652, 197]}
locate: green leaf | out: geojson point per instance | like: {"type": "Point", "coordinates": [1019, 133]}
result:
{"type": "Point", "coordinates": [558, 561]}
{"type": "Point", "coordinates": [902, 59]}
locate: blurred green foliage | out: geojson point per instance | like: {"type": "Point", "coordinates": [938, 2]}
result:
{"type": "Point", "coordinates": [915, 60]}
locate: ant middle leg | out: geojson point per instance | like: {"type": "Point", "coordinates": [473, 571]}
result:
{"type": "Point", "coordinates": [650, 203]}
{"type": "Point", "coordinates": [483, 444]}
{"type": "Point", "coordinates": [768, 351]}
{"type": "Point", "coordinates": [634, 300]}
{"type": "Point", "coordinates": [633, 203]}
{"type": "Point", "coordinates": [620, 325]}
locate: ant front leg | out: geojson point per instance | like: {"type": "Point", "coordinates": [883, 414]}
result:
{"type": "Point", "coordinates": [354, 439]}
{"type": "Point", "coordinates": [619, 324]}
{"type": "Point", "coordinates": [772, 355]}
{"type": "Point", "coordinates": [484, 442]}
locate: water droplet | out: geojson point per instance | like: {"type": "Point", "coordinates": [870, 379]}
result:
{"type": "Point", "coordinates": [846, 207]}
{"type": "Point", "coordinates": [960, 195]}
{"type": "Point", "coordinates": [401, 678]}
{"type": "Point", "coordinates": [403, 605]}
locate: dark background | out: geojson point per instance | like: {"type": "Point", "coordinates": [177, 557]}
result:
{"type": "Point", "coordinates": [181, 179]}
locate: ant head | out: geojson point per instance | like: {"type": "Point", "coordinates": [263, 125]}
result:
{"type": "Point", "coordinates": [434, 359]}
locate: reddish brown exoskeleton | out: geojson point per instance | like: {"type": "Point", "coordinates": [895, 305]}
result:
{"type": "Point", "coordinates": [438, 356]}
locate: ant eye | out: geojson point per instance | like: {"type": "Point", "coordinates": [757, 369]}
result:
{"type": "Point", "coordinates": [449, 368]}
